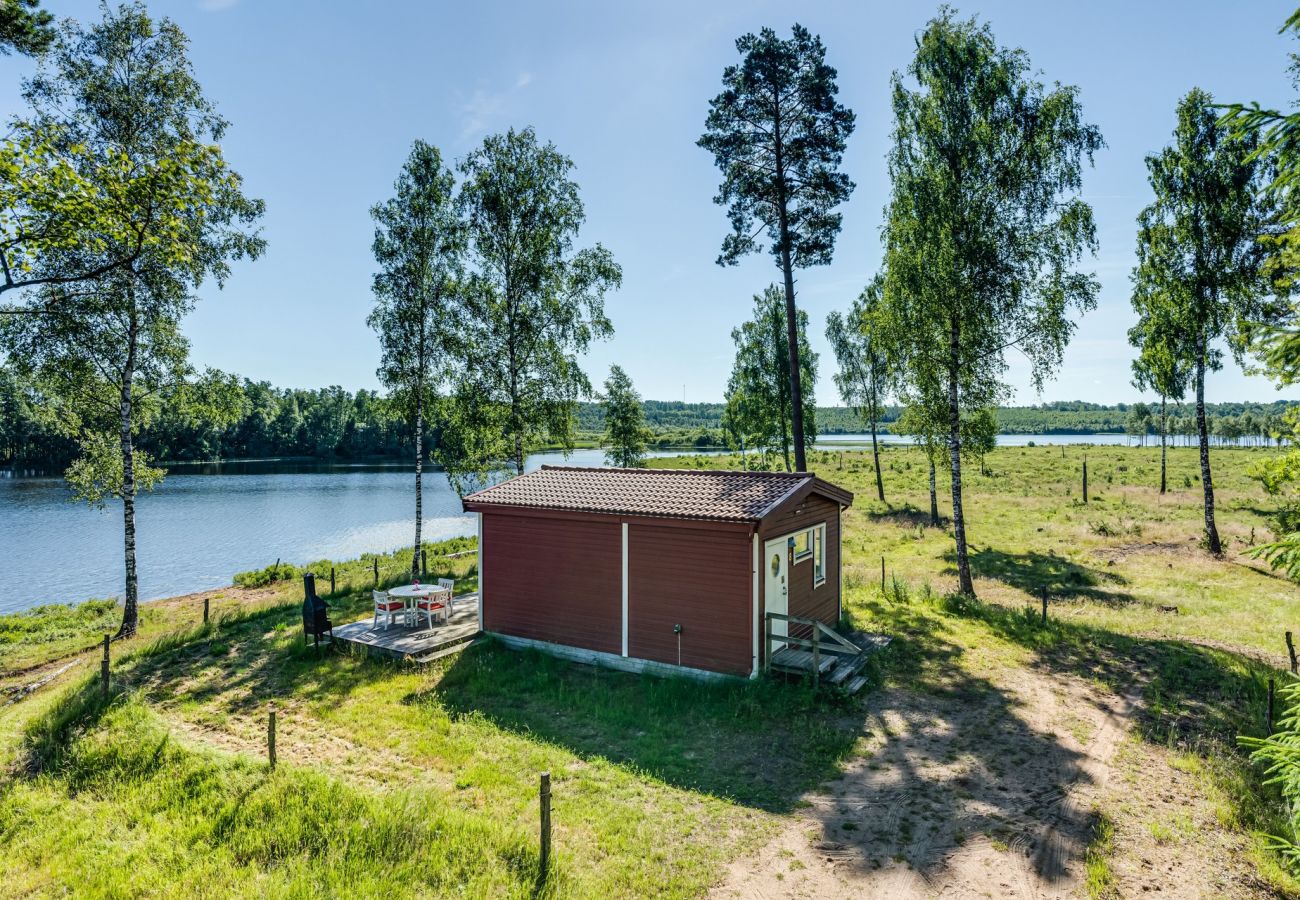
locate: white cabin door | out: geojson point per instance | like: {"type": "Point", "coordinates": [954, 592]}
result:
{"type": "Point", "coordinates": [776, 585]}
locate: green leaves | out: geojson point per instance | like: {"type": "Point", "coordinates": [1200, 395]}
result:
{"type": "Point", "coordinates": [759, 409]}
{"type": "Point", "coordinates": [778, 135]}
{"type": "Point", "coordinates": [529, 304]}
{"type": "Point", "coordinates": [625, 431]}
{"type": "Point", "coordinates": [419, 246]}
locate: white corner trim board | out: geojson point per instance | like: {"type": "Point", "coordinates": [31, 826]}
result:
{"type": "Point", "coordinates": [753, 616]}
{"type": "Point", "coordinates": [625, 589]}
{"type": "Point", "coordinates": [480, 570]}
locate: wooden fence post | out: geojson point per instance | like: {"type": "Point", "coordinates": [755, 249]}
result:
{"type": "Point", "coordinates": [544, 802]}
{"type": "Point", "coordinates": [882, 575]}
{"type": "Point", "coordinates": [103, 669]}
{"type": "Point", "coordinates": [331, 579]}
{"type": "Point", "coordinates": [270, 737]}
{"type": "Point", "coordinates": [1044, 604]}
{"type": "Point", "coordinates": [1272, 687]}
{"type": "Point", "coordinates": [205, 610]}
{"type": "Point", "coordinates": [275, 573]}
{"type": "Point", "coordinates": [1085, 478]}
{"type": "Point", "coordinates": [1290, 649]}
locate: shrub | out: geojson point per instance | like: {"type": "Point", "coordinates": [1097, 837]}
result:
{"type": "Point", "coordinates": [59, 620]}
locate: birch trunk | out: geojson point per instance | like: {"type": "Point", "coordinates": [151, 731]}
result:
{"type": "Point", "coordinates": [1211, 531]}
{"type": "Point", "coordinates": [1164, 424]}
{"type": "Point", "coordinates": [934, 497]}
{"type": "Point", "coordinates": [875, 452]}
{"type": "Point", "coordinates": [965, 585]}
{"type": "Point", "coordinates": [131, 594]}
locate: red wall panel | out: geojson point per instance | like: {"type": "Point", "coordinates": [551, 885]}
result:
{"type": "Point", "coordinates": [700, 579]}
{"type": "Point", "coordinates": [556, 580]}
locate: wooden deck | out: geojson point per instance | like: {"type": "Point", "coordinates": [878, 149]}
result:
{"type": "Point", "coordinates": [421, 644]}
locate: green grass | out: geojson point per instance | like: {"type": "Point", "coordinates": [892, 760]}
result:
{"type": "Point", "coordinates": [131, 810]}
{"type": "Point", "coordinates": [658, 784]}
{"type": "Point", "coordinates": [1099, 880]}
{"type": "Point", "coordinates": [34, 634]}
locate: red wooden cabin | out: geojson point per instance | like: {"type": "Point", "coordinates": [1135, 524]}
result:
{"type": "Point", "coordinates": [656, 569]}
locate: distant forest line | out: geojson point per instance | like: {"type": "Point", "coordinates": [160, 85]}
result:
{"type": "Point", "coordinates": [333, 423]}
{"type": "Point", "coordinates": [1059, 417]}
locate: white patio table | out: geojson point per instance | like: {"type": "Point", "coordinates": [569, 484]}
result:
{"type": "Point", "coordinates": [412, 594]}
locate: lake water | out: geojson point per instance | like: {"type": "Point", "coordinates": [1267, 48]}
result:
{"type": "Point", "coordinates": [205, 523]}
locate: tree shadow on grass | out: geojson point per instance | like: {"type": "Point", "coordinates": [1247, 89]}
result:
{"type": "Point", "coordinates": [906, 516]}
{"type": "Point", "coordinates": [780, 747]}
{"type": "Point", "coordinates": [246, 663]}
{"type": "Point", "coordinates": [1190, 693]}
{"type": "Point", "coordinates": [1033, 572]}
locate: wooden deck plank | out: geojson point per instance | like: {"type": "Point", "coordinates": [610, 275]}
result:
{"type": "Point", "coordinates": [800, 660]}
{"type": "Point", "coordinates": [401, 641]}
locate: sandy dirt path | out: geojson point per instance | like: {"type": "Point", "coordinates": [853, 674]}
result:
{"type": "Point", "coordinates": [991, 789]}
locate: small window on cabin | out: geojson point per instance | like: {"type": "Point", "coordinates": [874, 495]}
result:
{"type": "Point", "coordinates": [819, 554]}
{"type": "Point", "coordinates": [802, 543]}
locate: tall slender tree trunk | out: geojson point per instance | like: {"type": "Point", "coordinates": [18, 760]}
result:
{"type": "Point", "coordinates": [1164, 430]}
{"type": "Point", "coordinates": [934, 497]}
{"type": "Point", "coordinates": [419, 475]}
{"type": "Point", "coordinates": [131, 595]}
{"type": "Point", "coordinates": [791, 315]}
{"type": "Point", "coordinates": [1211, 531]}
{"type": "Point", "coordinates": [785, 443]}
{"type": "Point", "coordinates": [875, 452]}
{"type": "Point", "coordinates": [965, 584]}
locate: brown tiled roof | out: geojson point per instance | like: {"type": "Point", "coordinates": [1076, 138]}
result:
{"type": "Point", "coordinates": [666, 493]}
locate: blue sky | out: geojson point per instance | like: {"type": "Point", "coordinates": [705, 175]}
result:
{"type": "Point", "coordinates": [325, 99]}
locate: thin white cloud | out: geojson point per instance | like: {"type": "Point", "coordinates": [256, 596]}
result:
{"type": "Point", "coordinates": [484, 107]}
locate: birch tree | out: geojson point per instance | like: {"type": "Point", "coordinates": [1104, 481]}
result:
{"type": "Point", "coordinates": [531, 303]}
{"type": "Point", "coordinates": [863, 370]}
{"type": "Point", "coordinates": [419, 243]}
{"type": "Point", "coordinates": [1200, 258]}
{"type": "Point", "coordinates": [625, 431]}
{"type": "Point", "coordinates": [984, 227]}
{"type": "Point", "coordinates": [758, 392]}
{"type": "Point", "coordinates": [1162, 364]}
{"type": "Point", "coordinates": [106, 347]}
{"type": "Point", "coordinates": [777, 133]}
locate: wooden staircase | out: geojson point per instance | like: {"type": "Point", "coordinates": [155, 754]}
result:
{"type": "Point", "coordinates": [825, 656]}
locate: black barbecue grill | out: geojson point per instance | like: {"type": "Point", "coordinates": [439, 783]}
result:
{"type": "Point", "coordinates": [315, 613]}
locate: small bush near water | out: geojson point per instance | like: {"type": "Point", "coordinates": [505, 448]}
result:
{"type": "Point", "coordinates": [57, 623]}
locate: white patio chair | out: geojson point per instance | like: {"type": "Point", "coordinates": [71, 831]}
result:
{"type": "Point", "coordinates": [430, 607]}
{"type": "Point", "coordinates": [386, 605]}
{"type": "Point", "coordinates": [450, 587]}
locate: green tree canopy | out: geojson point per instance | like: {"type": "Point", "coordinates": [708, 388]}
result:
{"type": "Point", "coordinates": [419, 244]}
{"type": "Point", "coordinates": [124, 89]}
{"type": "Point", "coordinates": [25, 27]}
{"type": "Point", "coordinates": [778, 133]}
{"type": "Point", "coordinates": [625, 431]}
{"type": "Point", "coordinates": [862, 378]}
{"type": "Point", "coordinates": [1200, 275]}
{"type": "Point", "coordinates": [530, 304]}
{"type": "Point", "coordinates": [984, 227]}
{"type": "Point", "coordinates": [758, 392]}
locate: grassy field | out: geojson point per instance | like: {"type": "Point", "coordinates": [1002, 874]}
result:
{"type": "Point", "coordinates": [423, 781]}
